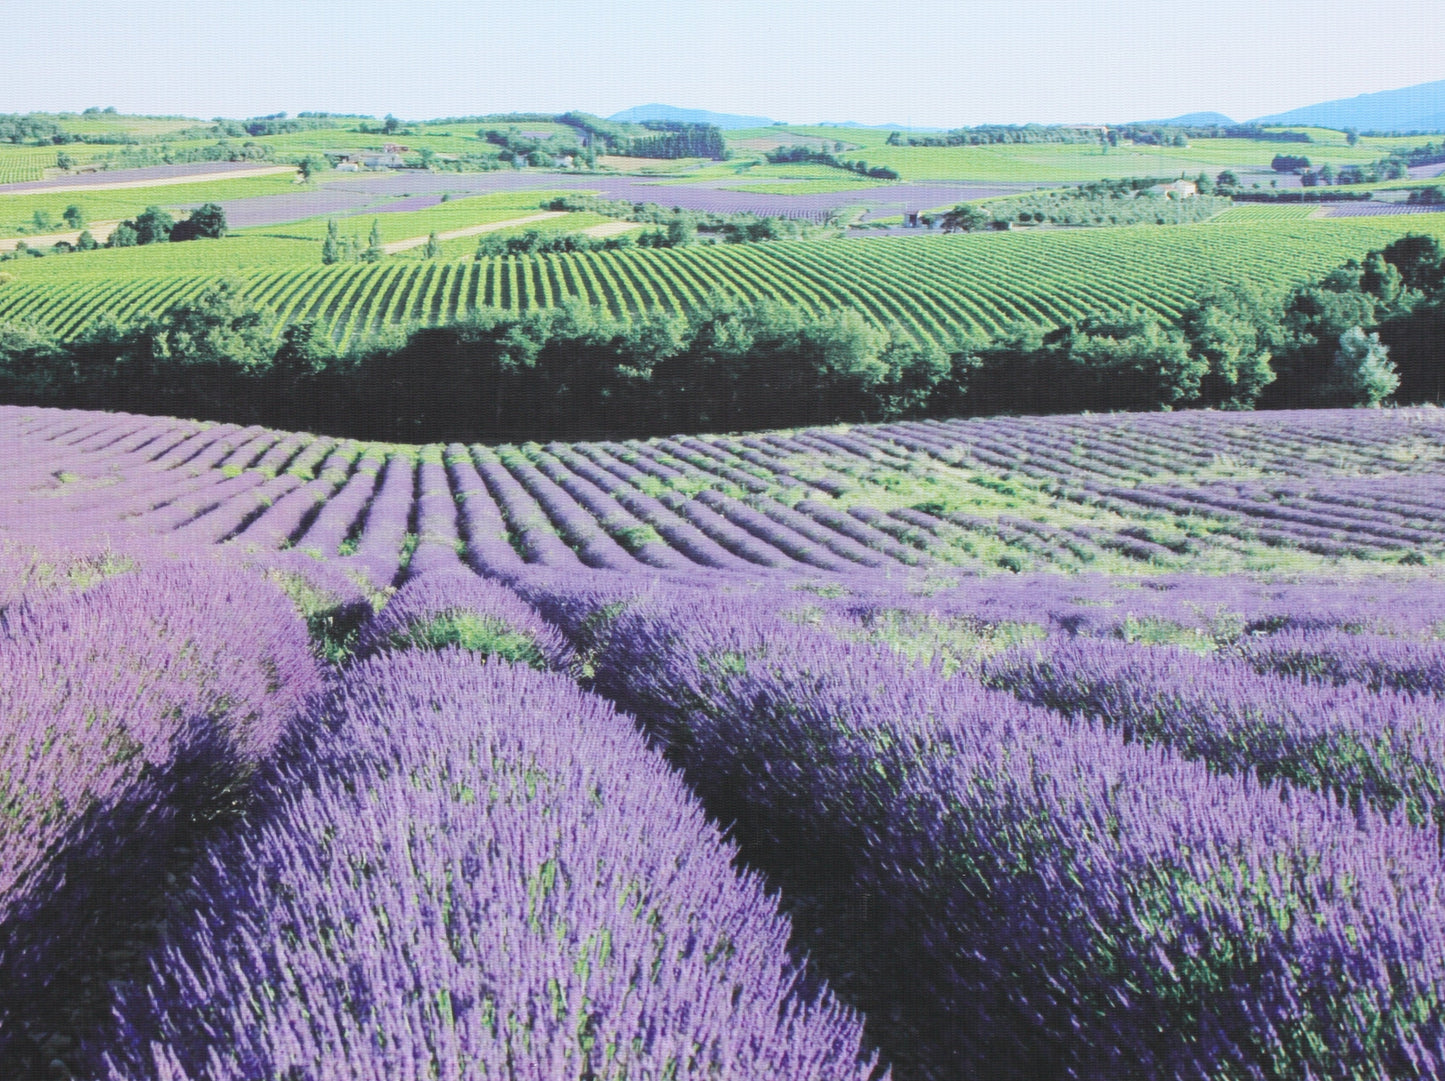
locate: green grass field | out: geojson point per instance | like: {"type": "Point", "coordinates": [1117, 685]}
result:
{"type": "Point", "coordinates": [23, 164]}
{"type": "Point", "coordinates": [1079, 161]}
{"type": "Point", "coordinates": [404, 224]}
{"type": "Point", "coordinates": [120, 124]}
{"type": "Point", "coordinates": [17, 211]}
{"type": "Point", "coordinates": [929, 287]}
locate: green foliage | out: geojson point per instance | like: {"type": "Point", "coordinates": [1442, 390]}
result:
{"type": "Point", "coordinates": [374, 251]}
{"type": "Point", "coordinates": [1128, 202]}
{"type": "Point", "coordinates": [152, 226]}
{"type": "Point", "coordinates": [208, 221]}
{"type": "Point", "coordinates": [1231, 328]}
{"type": "Point", "coordinates": [803, 153]}
{"type": "Point", "coordinates": [331, 246]}
{"type": "Point", "coordinates": [965, 218]}
{"type": "Point", "coordinates": [1362, 373]}
{"type": "Point", "coordinates": [484, 635]}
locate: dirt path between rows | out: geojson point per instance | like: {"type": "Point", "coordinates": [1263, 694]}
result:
{"type": "Point", "coordinates": [155, 182]}
{"type": "Point", "coordinates": [101, 230]}
{"type": "Point", "coordinates": [472, 230]}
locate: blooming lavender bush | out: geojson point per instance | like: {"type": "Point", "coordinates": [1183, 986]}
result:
{"type": "Point", "coordinates": [131, 710]}
{"type": "Point", "coordinates": [481, 872]}
{"type": "Point", "coordinates": [1383, 750]}
{"type": "Point", "coordinates": [459, 608]}
{"type": "Point", "coordinates": [988, 879]}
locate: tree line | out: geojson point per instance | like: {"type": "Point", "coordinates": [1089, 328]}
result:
{"type": "Point", "coordinates": [787, 154]}
{"type": "Point", "coordinates": [1365, 334]}
{"type": "Point", "coordinates": [154, 225]}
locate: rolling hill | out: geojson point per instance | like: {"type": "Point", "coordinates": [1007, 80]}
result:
{"type": "Point", "coordinates": [1412, 108]}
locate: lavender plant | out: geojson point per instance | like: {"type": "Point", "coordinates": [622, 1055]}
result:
{"type": "Point", "coordinates": [481, 872]}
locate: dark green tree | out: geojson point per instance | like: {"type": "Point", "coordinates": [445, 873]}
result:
{"type": "Point", "coordinates": [374, 252]}
{"type": "Point", "coordinates": [123, 236]}
{"type": "Point", "coordinates": [309, 166]}
{"type": "Point", "coordinates": [1231, 329]}
{"type": "Point", "coordinates": [153, 226]}
{"type": "Point", "coordinates": [331, 246]}
{"type": "Point", "coordinates": [74, 216]}
{"type": "Point", "coordinates": [965, 218]}
{"type": "Point", "coordinates": [1420, 261]}
{"type": "Point", "coordinates": [205, 222]}
{"type": "Point", "coordinates": [86, 241]}
{"type": "Point", "coordinates": [1362, 373]}
{"type": "Point", "coordinates": [433, 249]}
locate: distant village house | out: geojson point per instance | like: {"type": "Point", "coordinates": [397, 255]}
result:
{"type": "Point", "coordinates": [388, 157]}
{"type": "Point", "coordinates": [1180, 189]}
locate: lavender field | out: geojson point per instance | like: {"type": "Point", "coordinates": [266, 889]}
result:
{"type": "Point", "coordinates": [1082, 746]}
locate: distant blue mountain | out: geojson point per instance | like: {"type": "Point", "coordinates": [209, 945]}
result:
{"type": "Point", "coordinates": [688, 116]}
{"type": "Point", "coordinates": [1413, 108]}
{"type": "Point", "coordinates": [1190, 120]}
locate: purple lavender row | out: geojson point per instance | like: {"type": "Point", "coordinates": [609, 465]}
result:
{"type": "Point", "coordinates": [129, 709]}
{"type": "Point", "coordinates": [841, 543]}
{"type": "Point", "coordinates": [702, 455]}
{"type": "Point", "coordinates": [1374, 660]}
{"type": "Point", "coordinates": [647, 475]}
{"type": "Point", "coordinates": [341, 512]}
{"type": "Point", "coordinates": [1009, 893]}
{"type": "Point", "coordinates": [594, 547]}
{"type": "Point", "coordinates": [902, 533]}
{"type": "Point", "coordinates": [860, 531]}
{"type": "Point", "coordinates": [489, 551]}
{"type": "Point", "coordinates": [183, 504]}
{"type": "Point", "coordinates": [1222, 609]}
{"type": "Point", "coordinates": [383, 534]}
{"type": "Point", "coordinates": [1385, 750]}
{"type": "Point", "coordinates": [455, 607]}
{"type": "Point", "coordinates": [773, 533]}
{"type": "Point", "coordinates": [485, 874]}
{"type": "Point", "coordinates": [436, 518]}
{"type": "Point", "coordinates": [280, 523]}
{"type": "Point", "coordinates": [535, 535]}
{"type": "Point", "coordinates": [232, 516]}
{"type": "Point", "coordinates": [774, 453]}
{"type": "Point", "coordinates": [1328, 526]}
{"type": "Point", "coordinates": [614, 517]}
{"type": "Point", "coordinates": [613, 479]}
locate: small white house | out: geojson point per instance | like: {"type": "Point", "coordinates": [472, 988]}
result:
{"type": "Point", "coordinates": [383, 160]}
{"type": "Point", "coordinates": [1180, 189]}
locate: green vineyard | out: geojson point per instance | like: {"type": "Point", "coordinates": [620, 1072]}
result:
{"type": "Point", "coordinates": [22, 164]}
{"type": "Point", "coordinates": [929, 287]}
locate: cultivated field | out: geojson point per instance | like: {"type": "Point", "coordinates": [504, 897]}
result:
{"type": "Point", "coordinates": [931, 287]}
{"type": "Point", "coordinates": [1024, 748]}
{"type": "Point", "coordinates": [959, 773]}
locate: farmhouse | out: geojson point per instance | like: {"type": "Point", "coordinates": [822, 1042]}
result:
{"type": "Point", "coordinates": [1180, 189]}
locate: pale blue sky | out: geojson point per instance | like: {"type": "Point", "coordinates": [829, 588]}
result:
{"type": "Point", "coordinates": [899, 61]}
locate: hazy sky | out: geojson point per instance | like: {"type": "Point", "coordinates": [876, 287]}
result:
{"type": "Point", "coordinates": [901, 61]}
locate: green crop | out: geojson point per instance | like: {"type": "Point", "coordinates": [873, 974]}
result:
{"type": "Point", "coordinates": [930, 287]}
